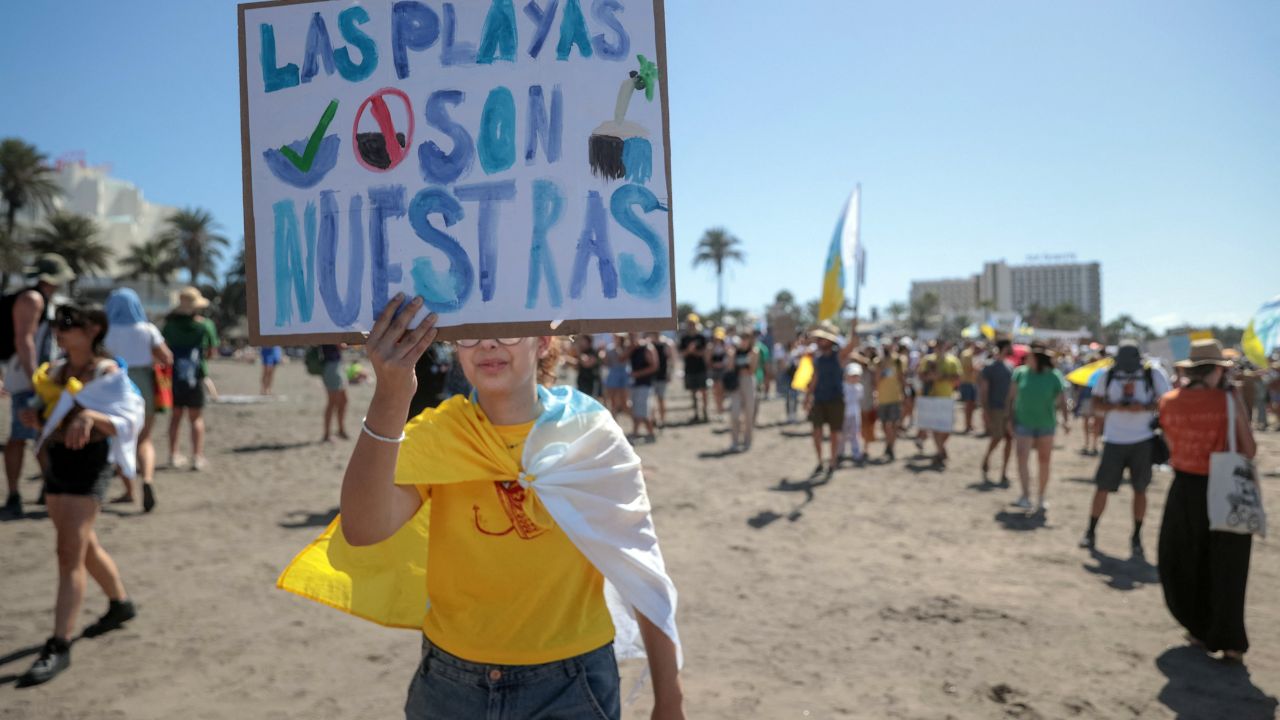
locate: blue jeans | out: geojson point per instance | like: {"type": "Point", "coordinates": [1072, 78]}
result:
{"type": "Point", "coordinates": [585, 687]}
{"type": "Point", "coordinates": [1024, 431]}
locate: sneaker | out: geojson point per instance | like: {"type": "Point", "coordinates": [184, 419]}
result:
{"type": "Point", "coordinates": [817, 470]}
{"type": "Point", "coordinates": [118, 613]}
{"type": "Point", "coordinates": [888, 453]}
{"type": "Point", "coordinates": [1023, 502]}
{"type": "Point", "coordinates": [1087, 541]}
{"type": "Point", "coordinates": [54, 657]}
{"type": "Point", "coordinates": [1004, 481]}
{"type": "Point", "coordinates": [1042, 507]}
{"type": "Point", "coordinates": [178, 462]}
{"type": "Point", "coordinates": [1135, 548]}
{"type": "Point", "coordinates": [13, 506]}
{"type": "Point", "coordinates": [148, 497]}
{"type": "Point", "coordinates": [200, 463]}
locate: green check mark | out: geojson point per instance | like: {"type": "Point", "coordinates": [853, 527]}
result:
{"type": "Point", "coordinates": [303, 161]}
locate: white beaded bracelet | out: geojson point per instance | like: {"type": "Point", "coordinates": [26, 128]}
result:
{"type": "Point", "coordinates": [364, 427]}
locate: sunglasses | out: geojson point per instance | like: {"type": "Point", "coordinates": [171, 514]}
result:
{"type": "Point", "coordinates": [502, 341]}
{"type": "Point", "coordinates": [69, 321]}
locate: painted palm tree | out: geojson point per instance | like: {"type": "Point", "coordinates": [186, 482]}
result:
{"type": "Point", "coordinates": [26, 180]}
{"type": "Point", "coordinates": [717, 247]}
{"type": "Point", "coordinates": [76, 238]}
{"type": "Point", "coordinates": [197, 246]}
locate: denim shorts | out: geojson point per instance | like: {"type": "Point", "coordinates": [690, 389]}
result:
{"type": "Point", "coordinates": [1026, 432]}
{"type": "Point", "coordinates": [585, 687]}
{"type": "Point", "coordinates": [18, 402]}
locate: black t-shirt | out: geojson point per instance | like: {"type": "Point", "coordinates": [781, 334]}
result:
{"type": "Point", "coordinates": [640, 361]}
{"type": "Point", "coordinates": [664, 365]}
{"type": "Point", "coordinates": [696, 363]}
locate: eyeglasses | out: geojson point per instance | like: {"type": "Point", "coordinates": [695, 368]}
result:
{"type": "Point", "coordinates": [502, 341]}
{"type": "Point", "coordinates": [66, 320]}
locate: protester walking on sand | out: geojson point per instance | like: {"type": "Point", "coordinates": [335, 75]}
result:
{"type": "Point", "coordinates": [135, 340]}
{"type": "Point", "coordinates": [740, 385]}
{"type": "Point", "coordinates": [890, 370]}
{"type": "Point", "coordinates": [824, 398]}
{"type": "Point", "coordinates": [794, 354]}
{"type": "Point", "coordinates": [718, 364]}
{"type": "Point", "coordinates": [852, 427]}
{"type": "Point", "coordinates": [642, 359]}
{"type": "Point", "coordinates": [693, 353]}
{"type": "Point", "coordinates": [1034, 394]}
{"type": "Point", "coordinates": [1127, 396]}
{"type": "Point", "coordinates": [940, 371]}
{"type": "Point", "coordinates": [335, 389]}
{"type": "Point", "coordinates": [867, 420]}
{"type": "Point", "coordinates": [617, 376]}
{"type": "Point", "coordinates": [663, 346]}
{"type": "Point", "coordinates": [506, 496]}
{"type": "Point", "coordinates": [272, 356]}
{"type": "Point", "coordinates": [192, 339]}
{"type": "Point", "coordinates": [993, 389]}
{"type": "Point", "coordinates": [28, 313]}
{"type": "Point", "coordinates": [969, 382]}
{"type": "Point", "coordinates": [91, 415]}
{"type": "Point", "coordinates": [1204, 573]}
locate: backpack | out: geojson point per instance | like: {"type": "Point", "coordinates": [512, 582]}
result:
{"type": "Point", "coordinates": [314, 360]}
{"type": "Point", "coordinates": [1146, 378]}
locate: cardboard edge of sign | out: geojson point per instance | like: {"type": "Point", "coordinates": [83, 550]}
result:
{"type": "Point", "coordinates": [477, 331]}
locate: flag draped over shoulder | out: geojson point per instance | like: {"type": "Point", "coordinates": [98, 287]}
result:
{"type": "Point", "coordinates": [113, 395]}
{"type": "Point", "coordinates": [844, 255]}
{"type": "Point", "coordinates": [578, 462]}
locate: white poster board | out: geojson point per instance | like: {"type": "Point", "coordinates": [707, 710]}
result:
{"type": "Point", "coordinates": [509, 162]}
{"type": "Point", "coordinates": [936, 414]}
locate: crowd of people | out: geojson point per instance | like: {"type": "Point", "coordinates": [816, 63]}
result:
{"type": "Point", "coordinates": [85, 384]}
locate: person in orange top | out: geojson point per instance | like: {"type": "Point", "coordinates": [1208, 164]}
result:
{"type": "Point", "coordinates": [1203, 572]}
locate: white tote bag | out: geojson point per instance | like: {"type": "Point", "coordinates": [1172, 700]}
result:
{"type": "Point", "coordinates": [1234, 502]}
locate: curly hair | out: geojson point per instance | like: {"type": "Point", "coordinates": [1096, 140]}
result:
{"type": "Point", "coordinates": [549, 364]}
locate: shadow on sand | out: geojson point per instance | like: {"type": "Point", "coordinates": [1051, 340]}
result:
{"type": "Point", "coordinates": [304, 519]}
{"type": "Point", "coordinates": [1122, 574]}
{"type": "Point", "coordinates": [1020, 521]}
{"type": "Point", "coordinates": [766, 517]}
{"type": "Point", "coordinates": [270, 447]}
{"type": "Point", "coordinates": [1201, 687]}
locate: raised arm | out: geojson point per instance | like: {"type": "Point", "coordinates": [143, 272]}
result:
{"type": "Point", "coordinates": [373, 507]}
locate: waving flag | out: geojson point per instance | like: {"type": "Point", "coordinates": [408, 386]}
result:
{"type": "Point", "coordinates": [1262, 336]}
{"type": "Point", "coordinates": [845, 252]}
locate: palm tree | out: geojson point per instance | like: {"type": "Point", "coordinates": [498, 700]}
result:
{"type": "Point", "coordinates": [718, 247]}
{"type": "Point", "coordinates": [152, 260]}
{"type": "Point", "coordinates": [26, 179]}
{"type": "Point", "coordinates": [197, 247]}
{"type": "Point", "coordinates": [896, 310]}
{"type": "Point", "coordinates": [76, 239]}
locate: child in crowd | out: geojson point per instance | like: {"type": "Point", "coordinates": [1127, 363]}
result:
{"type": "Point", "coordinates": [851, 448]}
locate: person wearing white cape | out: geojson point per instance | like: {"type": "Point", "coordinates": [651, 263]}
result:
{"type": "Point", "coordinates": [536, 583]}
{"type": "Point", "coordinates": [94, 416]}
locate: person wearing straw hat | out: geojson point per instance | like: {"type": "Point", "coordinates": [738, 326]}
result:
{"type": "Point", "coordinates": [1036, 390]}
{"type": "Point", "coordinates": [1203, 572]}
{"type": "Point", "coordinates": [824, 398]}
{"type": "Point", "coordinates": [192, 339]}
{"type": "Point", "coordinates": [32, 345]}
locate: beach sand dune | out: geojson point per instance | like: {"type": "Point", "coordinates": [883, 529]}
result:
{"type": "Point", "coordinates": [891, 591]}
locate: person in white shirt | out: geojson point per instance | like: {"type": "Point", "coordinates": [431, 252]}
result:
{"type": "Point", "coordinates": [1128, 396]}
{"type": "Point", "coordinates": [138, 342]}
{"type": "Point", "coordinates": [853, 413]}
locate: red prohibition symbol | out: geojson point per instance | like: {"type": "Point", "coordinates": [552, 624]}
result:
{"type": "Point", "coordinates": [382, 150]}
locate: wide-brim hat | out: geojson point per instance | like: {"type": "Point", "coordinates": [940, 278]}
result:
{"type": "Point", "coordinates": [826, 331]}
{"type": "Point", "coordinates": [190, 300]}
{"type": "Point", "coordinates": [51, 268]}
{"type": "Point", "coordinates": [1204, 352]}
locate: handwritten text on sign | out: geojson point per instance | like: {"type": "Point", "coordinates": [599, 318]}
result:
{"type": "Point", "coordinates": [508, 165]}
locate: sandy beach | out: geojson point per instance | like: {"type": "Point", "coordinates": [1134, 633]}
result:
{"type": "Point", "coordinates": [892, 591]}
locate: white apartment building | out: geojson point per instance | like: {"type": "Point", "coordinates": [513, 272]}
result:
{"type": "Point", "coordinates": [1010, 289]}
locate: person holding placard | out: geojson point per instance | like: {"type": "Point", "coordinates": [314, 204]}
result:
{"type": "Point", "coordinates": [1036, 390]}
{"type": "Point", "coordinates": [940, 371]}
{"type": "Point", "coordinates": [1204, 573]}
{"type": "Point", "coordinates": [497, 525]}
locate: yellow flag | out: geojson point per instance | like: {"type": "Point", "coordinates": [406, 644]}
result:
{"type": "Point", "coordinates": [1253, 346]}
{"type": "Point", "coordinates": [804, 373]}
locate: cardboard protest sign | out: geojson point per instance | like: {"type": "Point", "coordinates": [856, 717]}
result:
{"type": "Point", "coordinates": [936, 413]}
{"type": "Point", "coordinates": [512, 168]}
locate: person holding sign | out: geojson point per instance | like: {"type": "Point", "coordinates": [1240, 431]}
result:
{"type": "Point", "coordinates": [511, 528]}
{"type": "Point", "coordinates": [940, 372]}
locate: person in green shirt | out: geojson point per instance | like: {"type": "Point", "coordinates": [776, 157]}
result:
{"type": "Point", "coordinates": [940, 372]}
{"type": "Point", "coordinates": [1035, 393]}
{"type": "Point", "coordinates": [192, 338]}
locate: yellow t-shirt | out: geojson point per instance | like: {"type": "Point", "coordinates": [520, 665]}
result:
{"type": "Point", "coordinates": [946, 374]}
{"type": "Point", "coordinates": [506, 586]}
{"type": "Point", "coordinates": [889, 387]}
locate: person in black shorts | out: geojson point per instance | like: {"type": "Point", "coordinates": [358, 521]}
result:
{"type": "Point", "coordinates": [693, 349]}
{"type": "Point", "coordinates": [81, 465]}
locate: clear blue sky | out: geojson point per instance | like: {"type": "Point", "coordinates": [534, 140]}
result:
{"type": "Point", "coordinates": [1145, 135]}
